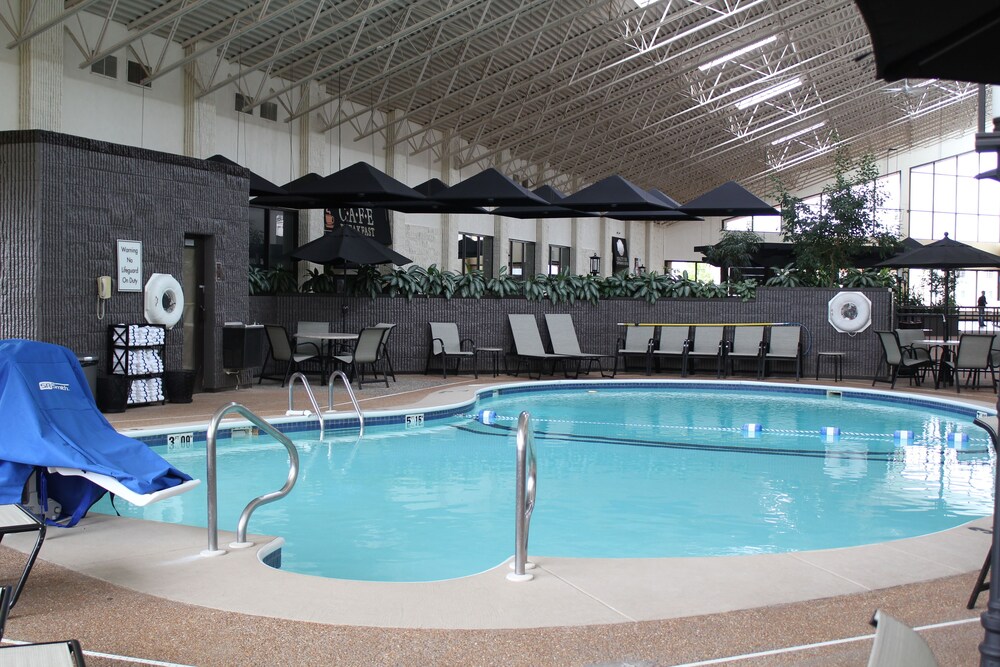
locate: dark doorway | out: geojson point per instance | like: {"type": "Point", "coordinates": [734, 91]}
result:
{"type": "Point", "coordinates": [194, 308]}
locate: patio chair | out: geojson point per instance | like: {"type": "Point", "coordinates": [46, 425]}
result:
{"type": "Point", "coordinates": [898, 645]}
{"type": "Point", "coordinates": [748, 343]}
{"type": "Point", "coordinates": [305, 345]}
{"type": "Point", "coordinates": [385, 346]}
{"type": "Point", "coordinates": [562, 333]}
{"type": "Point", "coordinates": [909, 341]}
{"type": "Point", "coordinates": [784, 345]}
{"type": "Point", "coordinates": [368, 351]}
{"type": "Point", "coordinates": [281, 351]}
{"type": "Point", "coordinates": [674, 342]}
{"type": "Point", "coordinates": [64, 653]}
{"type": "Point", "coordinates": [897, 359]}
{"type": "Point", "coordinates": [708, 343]}
{"type": "Point", "coordinates": [528, 346]}
{"type": "Point", "coordinates": [446, 344]}
{"type": "Point", "coordinates": [638, 341]}
{"type": "Point", "coordinates": [974, 356]}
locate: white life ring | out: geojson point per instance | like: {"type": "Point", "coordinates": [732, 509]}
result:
{"type": "Point", "coordinates": [850, 312]}
{"type": "Point", "coordinates": [164, 300]}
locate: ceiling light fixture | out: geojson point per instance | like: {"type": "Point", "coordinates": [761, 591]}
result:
{"type": "Point", "coordinates": [768, 93]}
{"type": "Point", "coordinates": [737, 53]}
{"type": "Point", "coordinates": [799, 133]}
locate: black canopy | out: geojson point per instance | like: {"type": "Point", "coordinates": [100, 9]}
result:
{"type": "Point", "coordinates": [346, 247]}
{"type": "Point", "coordinates": [359, 184]}
{"type": "Point", "coordinates": [670, 214]}
{"type": "Point", "coordinates": [292, 196]}
{"type": "Point", "coordinates": [928, 39]}
{"type": "Point", "coordinates": [553, 209]}
{"type": "Point", "coordinates": [258, 184]}
{"type": "Point", "coordinates": [729, 199]}
{"type": "Point", "coordinates": [489, 188]}
{"type": "Point", "coordinates": [613, 193]}
{"type": "Point", "coordinates": [430, 189]}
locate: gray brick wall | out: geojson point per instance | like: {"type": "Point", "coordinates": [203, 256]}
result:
{"type": "Point", "coordinates": [485, 320]}
{"type": "Point", "coordinates": [64, 203]}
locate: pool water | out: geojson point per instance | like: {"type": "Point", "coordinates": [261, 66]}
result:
{"type": "Point", "coordinates": [622, 473]}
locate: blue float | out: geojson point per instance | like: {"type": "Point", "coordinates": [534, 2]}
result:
{"type": "Point", "coordinates": [486, 417]}
{"type": "Point", "coordinates": [830, 432]}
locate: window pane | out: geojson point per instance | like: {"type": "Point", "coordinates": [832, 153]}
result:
{"type": "Point", "coordinates": [767, 223]}
{"type": "Point", "coordinates": [742, 223]}
{"type": "Point", "coordinates": [968, 164]}
{"type": "Point", "coordinates": [920, 225]}
{"type": "Point", "coordinates": [944, 223]}
{"type": "Point", "coordinates": [967, 227]}
{"type": "Point", "coordinates": [968, 195]}
{"type": "Point", "coordinates": [989, 197]}
{"type": "Point", "coordinates": [944, 194]}
{"type": "Point", "coordinates": [946, 166]}
{"type": "Point", "coordinates": [924, 168]}
{"type": "Point", "coordinates": [921, 192]}
{"type": "Point", "coordinates": [989, 229]}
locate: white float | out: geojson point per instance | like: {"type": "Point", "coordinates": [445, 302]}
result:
{"type": "Point", "coordinates": [164, 300]}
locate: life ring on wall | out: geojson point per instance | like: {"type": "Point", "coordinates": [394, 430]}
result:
{"type": "Point", "coordinates": [850, 312]}
{"type": "Point", "coordinates": [164, 300]}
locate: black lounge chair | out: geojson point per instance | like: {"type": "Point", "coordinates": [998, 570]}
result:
{"type": "Point", "coordinates": [445, 343]}
{"type": "Point", "coordinates": [528, 346]}
{"type": "Point", "coordinates": [562, 333]}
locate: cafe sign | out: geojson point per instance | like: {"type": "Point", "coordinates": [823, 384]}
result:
{"type": "Point", "coordinates": [370, 222]}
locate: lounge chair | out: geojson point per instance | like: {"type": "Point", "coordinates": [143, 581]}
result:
{"type": "Point", "coordinates": [974, 356]}
{"type": "Point", "coordinates": [367, 352]}
{"type": "Point", "coordinates": [897, 359]}
{"type": "Point", "coordinates": [65, 653]}
{"type": "Point", "coordinates": [708, 343]}
{"type": "Point", "coordinates": [446, 344]}
{"type": "Point", "coordinates": [674, 342]}
{"type": "Point", "coordinates": [528, 346]}
{"type": "Point", "coordinates": [785, 345]}
{"type": "Point", "coordinates": [281, 351]}
{"type": "Point", "coordinates": [898, 645]}
{"type": "Point", "coordinates": [638, 341]}
{"type": "Point", "coordinates": [562, 333]}
{"type": "Point", "coordinates": [748, 343]}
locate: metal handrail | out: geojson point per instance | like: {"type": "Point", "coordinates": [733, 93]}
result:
{"type": "Point", "coordinates": [350, 393]}
{"type": "Point", "coordinates": [527, 474]}
{"type": "Point", "coordinates": [310, 394]}
{"type": "Point", "coordinates": [210, 474]}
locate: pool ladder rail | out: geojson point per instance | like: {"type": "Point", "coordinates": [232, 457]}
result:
{"type": "Point", "coordinates": [315, 406]}
{"type": "Point", "coordinates": [211, 475]}
{"type": "Point", "coordinates": [527, 475]}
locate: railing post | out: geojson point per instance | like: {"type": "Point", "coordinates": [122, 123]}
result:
{"type": "Point", "coordinates": [527, 472]}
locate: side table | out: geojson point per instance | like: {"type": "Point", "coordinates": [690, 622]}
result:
{"type": "Point", "coordinates": [837, 358]}
{"type": "Point", "coordinates": [496, 353]}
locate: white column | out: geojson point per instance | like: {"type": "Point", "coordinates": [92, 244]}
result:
{"type": "Point", "coordinates": [395, 166]}
{"type": "Point", "coordinates": [199, 113]}
{"type": "Point", "coordinates": [40, 104]}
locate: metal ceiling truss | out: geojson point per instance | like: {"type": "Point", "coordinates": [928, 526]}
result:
{"type": "Point", "coordinates": [564, 91]}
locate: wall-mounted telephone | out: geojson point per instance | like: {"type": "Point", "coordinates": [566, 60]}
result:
{"type": "Point", "coordinates": [103, 287]}
{"type": "Point", "coordinates": [103, 294]}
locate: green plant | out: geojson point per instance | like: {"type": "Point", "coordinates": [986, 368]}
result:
{"type": "Point", "coordinates": [536, 287]}
{"type": "Point", "coordinates": [258, 281]}
{"type": "Point", "coordinates": [617, 285]}
{"type": "Point", "coordinates": [744, 289]}
{"type": "Point", "coordinates": [404, 282]}
{"type": "Point", "coordinates": [281, 281]}
{"type": "Point", "coordinates": [319, 282]}
{"type": "Point", "coordinates": [438, 283]}
{"type": "Point", "coordinates": [858, 278]}
{"type": "Point", "coordinates": [650, 286]}
{"type": "Point", "coordinates": [831, 238]}
{"type": "Point", "coordinates": [735, 249]}
{"type": "Point", "coordinates": [683, 286]}
{"type": "Point", "coordinates": [588, 288]}
{"type": "Point", "coordinates": [367, 282]}
{"type": "Point", "coordinates": [503, 285]}
{"type": "Point", "coordinates": [471, 284]}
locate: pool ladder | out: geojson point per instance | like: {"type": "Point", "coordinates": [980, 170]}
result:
{"type": "Point", "coordinates": [315, 406]}
{"type": "Point", "coordinates": [527, 474]}
{"type": "Point", "coordinates": [211, 476]}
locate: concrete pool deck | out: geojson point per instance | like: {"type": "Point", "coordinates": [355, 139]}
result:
{"type": "Point", "coordinates": [589, 600]}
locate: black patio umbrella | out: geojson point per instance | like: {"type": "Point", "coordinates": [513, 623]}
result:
{"type": "Point", "coordinates": [990, 173]}
{"type": "Point", "coordinates": [489, 188]}
{"type": "Point", "coordinates": [292, 196]}
{"type": "Point", "coordinates": [258, 184]}
{"type": "Point", "coordinates": [670, 214]}
{"type": "Point", "coordinates": [346, 247]}
{"type": "Point", "coordinates": [553, 209]}
{"type": "Point", "coordinates": [613, 193]}
{"type": "Point", "coordinates": [359, 184]}
{"type": "Point", "coordinates": [945, 255]}
{"type": "Point", "coordinates": [430, 189]}
{"type": "Point", "coordinates": [729, 199]}
{"type": "Point", "coordinates": [927, 39]}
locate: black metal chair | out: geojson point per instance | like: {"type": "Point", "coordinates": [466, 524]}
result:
{"type": "Point", "coordinates": [896, 358]}
{"type": "Point", "coordinates": [368, 352]}
{"type": "Point", "coordinates": [445, 343]}
{"type": "Point", "coordinates": [281, 351]}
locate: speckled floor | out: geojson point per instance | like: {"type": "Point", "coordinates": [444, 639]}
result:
{"type": "Point", "coordinates": [60, 602]}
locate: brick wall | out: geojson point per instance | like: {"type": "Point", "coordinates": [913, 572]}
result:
{"type": "Point", "coordinates": [485, 320]}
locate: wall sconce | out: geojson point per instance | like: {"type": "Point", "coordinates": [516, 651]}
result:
{"type": "Point", "coordinates": [595, 265]}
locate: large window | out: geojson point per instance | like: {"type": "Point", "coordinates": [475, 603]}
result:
{"type": "Point", "coordinates": [946, 197]}
{"type": "Point", "coordinates": [476, 253]}
{"type": "Point", "coordinates": [273, 234]}
{"type": "Point", "coordinates": [702, 271]}
{"type": "Point", "coordinates": [522, 259]}
{"type": "Point", "coordinates": [558, 260]}
{"type": "Point", "coordinates": [753, 223]}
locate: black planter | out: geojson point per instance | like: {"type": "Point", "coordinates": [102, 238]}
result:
{"type": "Point", "coordinates": [178, 386]}
{"type": "Point", "coordinates": [112, 393]}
